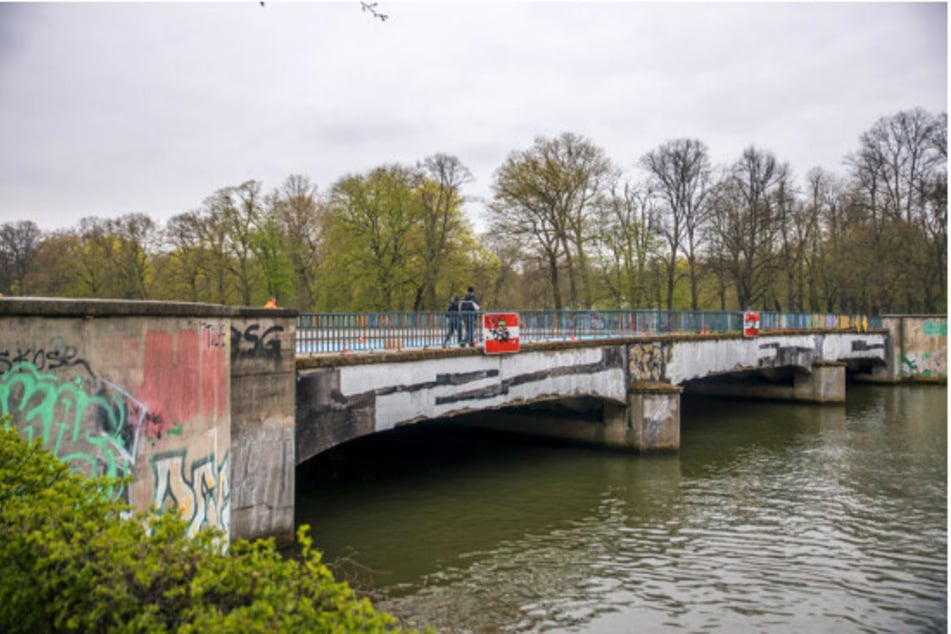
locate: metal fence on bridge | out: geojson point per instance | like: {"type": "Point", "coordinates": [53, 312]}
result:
{"type": "Point", "coordinates": [341, 333]}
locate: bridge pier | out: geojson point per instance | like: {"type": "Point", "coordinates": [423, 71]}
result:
{"type": "Point", "coordinates": [824, 383]}
{"type": "Point", "coordinates": [648, 422]}
{"type": "Point", "coordinates": [653, 416]}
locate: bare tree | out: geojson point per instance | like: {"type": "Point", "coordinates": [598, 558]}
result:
{"type": "Point", "coordinates": [896, 156]}
{"type": "Point", "coordinates": [745, 224]}
{"type": "Point", "coordinates": [19, 242]}
{"type": "Point", "coordinates": [371, 8]}
{"type": "Point", "coordinates": [792, 229]}
{"type": "Point", "coordinates": [680, 176]}
{"type": "Point", "coordinates": [899, 175]}
{"type": "Point", "coordinates": [628, 239]}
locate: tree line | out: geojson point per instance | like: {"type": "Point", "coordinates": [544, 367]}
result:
{"type": "Point", "coordinates": [566, 228]}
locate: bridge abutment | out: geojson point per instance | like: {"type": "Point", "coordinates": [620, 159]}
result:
{"type": "Point", "coordinates": [263, 406]}
{"type": "Point", "coordinates": [917, 349]}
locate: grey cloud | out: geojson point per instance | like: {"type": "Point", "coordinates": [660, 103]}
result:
{"type": "Point", "coordinates": [117, 107]}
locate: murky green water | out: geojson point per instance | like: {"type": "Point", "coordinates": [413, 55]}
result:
{"type": "Point", "coordinates": [772, 518]}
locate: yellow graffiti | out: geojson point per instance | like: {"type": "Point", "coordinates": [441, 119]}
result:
{"type": "Point", "coordinates": [199, 491]}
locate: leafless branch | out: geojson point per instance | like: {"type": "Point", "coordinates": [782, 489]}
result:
{"type": "Point", "coordinates": [371, 8]}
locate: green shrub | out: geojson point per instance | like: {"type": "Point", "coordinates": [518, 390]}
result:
{"type": "Point", "coordinates": [71, 560]}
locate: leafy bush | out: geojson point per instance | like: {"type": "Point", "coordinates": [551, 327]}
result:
{"type": "Point", "coordinates": [71, 560]}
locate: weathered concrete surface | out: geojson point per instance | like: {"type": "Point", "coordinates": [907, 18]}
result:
{"type": "Point", "coordinates": [918, 349]}
{"type": "Point", "coordinates": [610, 431]}
{"type": "Point", "coordinates": [126, 388]}
{"type": "Point", "coordinates": [194, 401]}
{"type": "Point", "coordinates": [654, 415]}
{"type": "Point", "coordinates": [263, 379]}
{"type": "Point", "coordinates": [676, 361]}
{"type": "Point", "coordinates": [342, 403]}
{"type": "Point", "coordinates": [825, 384]}
{"type": "Point", "coordinates": [345, 397]}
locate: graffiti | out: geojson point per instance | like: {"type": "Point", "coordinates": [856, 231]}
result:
{"type": "Point", "coordinates": [861, 345]}
{"type": "Point", "coordinates": [647, 362]}
{"type": "Point", "coordinates": [215, 332]}
{"type": "Point", "coordinates": [58, 354]}
{"type": "Point", "coordinates": [774, 355]}
{"type": "Point", "coordinates": [86, 425]}
{"type": "Point", "coordinates": [249, 344]}
{"type": "Point", "coordinates": [924, 364]}
{"type": "Point", "coordinates": [169, 390]}
{"type": "Point", "coordinates": [201, 491]}
{"type": "Point", "coordinates": [932, 328]}
{"type": "Point", "coordinates": [100, 428]}
{"type": "Point", "coordinates": [912, 367]}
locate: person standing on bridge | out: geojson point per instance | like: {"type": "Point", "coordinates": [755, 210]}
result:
{"type": "Point", "coordinates": [452, 322]}
{"type": "Point", "coordinates": [469, 306]}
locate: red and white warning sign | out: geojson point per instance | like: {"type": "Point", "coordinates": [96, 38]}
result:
{"type": "Point", "coordinates": [751, 323]}
{"type": "Point", "coordinates": [500, 332]}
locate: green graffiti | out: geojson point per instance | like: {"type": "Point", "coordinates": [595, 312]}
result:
{"type": "Point", "coordinates": [911, 364]}
{"type": "Point", "coordinates": [939, 328]}
{"type": "Point", "coordinates": [86, 431]}
{"type": "Point", "coordinates": [176, 430]}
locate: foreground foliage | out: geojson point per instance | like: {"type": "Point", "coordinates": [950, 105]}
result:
{"type": "Point", "coordinates": [73, 561]}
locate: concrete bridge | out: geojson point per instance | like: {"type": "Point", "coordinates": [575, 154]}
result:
{"type": "Point", "coordinates": [210, 409]}
{"type": "Point", "coordinates": [636, 383]}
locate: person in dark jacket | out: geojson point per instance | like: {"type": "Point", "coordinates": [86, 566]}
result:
{"type": "Point", "coordinates": [452, 322]}
{"type": "Point", "coordinates": [468, 307]}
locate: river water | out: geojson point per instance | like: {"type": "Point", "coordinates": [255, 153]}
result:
{"type": "Point", "coordinates": [773, 517]}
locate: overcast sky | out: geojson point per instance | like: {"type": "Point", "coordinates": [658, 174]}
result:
{"type": "Point", "coordinates": [107, 109]}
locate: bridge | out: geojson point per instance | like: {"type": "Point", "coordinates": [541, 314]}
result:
{"type": "Point", "coordinates": [210, 408]}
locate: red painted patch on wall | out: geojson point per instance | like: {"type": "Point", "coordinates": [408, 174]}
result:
{"type": "Point", "coordinates": [183, 374]}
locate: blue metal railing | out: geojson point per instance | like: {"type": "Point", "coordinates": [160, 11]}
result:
{"type": "Point", "coordinates": [341, 333]}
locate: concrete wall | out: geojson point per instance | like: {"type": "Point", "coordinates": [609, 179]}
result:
{"type": "Point", "coordinates": [918, 349]}
{"type": "Point", "coordinates": [263, 379]}
{"type": "Point", "coordinates": [146, 389]}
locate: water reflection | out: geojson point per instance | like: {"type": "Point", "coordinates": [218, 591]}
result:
{"type": "Point", "coordinates": [773, 517]}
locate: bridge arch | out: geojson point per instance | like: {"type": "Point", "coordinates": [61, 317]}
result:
{"type": "Point", "coordinates": [337, 403]}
